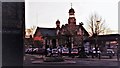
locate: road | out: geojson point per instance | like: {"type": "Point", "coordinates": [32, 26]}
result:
{"type": "Point", "coordinates": [86, 62]}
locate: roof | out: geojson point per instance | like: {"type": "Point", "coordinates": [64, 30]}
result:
{"type": "Point", "coordinates": [46, 31]}
{"type": "Point", "coordinates": [52, 31]}
{"type": "Point", "coordinates": [108, 37]}
{"type": "Point", "coordinates": [85, 32]}
{"type": "Point", "coordinates": [71, 10]}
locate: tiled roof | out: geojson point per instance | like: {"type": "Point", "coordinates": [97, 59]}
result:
{"type": "Point", "coordinates": [46, 31]}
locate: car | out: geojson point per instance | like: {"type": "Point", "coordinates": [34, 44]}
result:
{"type": "Point", "coordinates": [28, 50]}
{"type": "Point", "coordinates": [40, 51]}
{"type": "Point", "coordinates": [74, 51]}
{"type": "Point", "coordinates": [49, 51]}
{"type": "Point", "coordinates": [88, 51]}
{"type": "Point", "coordinates": [95, 52]}
{"type": "Point", "coordinates": [109, 53]}
{"type": "Point", "coordinates": [65, 51]}
{"type": "Point", "coordinates": [98, 51]}
{"type": "Point", "coordinates": [34, 50]}
{"type": "Point", "coordinates": [54, 52]}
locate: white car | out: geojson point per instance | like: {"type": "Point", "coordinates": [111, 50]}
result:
{"type": "Point", "coordinates": [74, 51]}
{"type": "Point", "coordinates": [28, 50]}
{"type": "Point", "coordinates": [54, 51]}
{"type": "Point", "coordinates": [65, 51]}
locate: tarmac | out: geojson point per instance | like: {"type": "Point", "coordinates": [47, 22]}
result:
{"type": "Point", "coordinates": [40, 60]}
{"type": "Point", "coordinates": [36, 60]}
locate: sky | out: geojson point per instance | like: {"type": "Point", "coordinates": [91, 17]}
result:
{"type": "Point", "coordinates": [44, 13]}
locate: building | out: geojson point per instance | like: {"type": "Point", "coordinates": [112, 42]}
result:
{"type": "Point", "coordinates": [70, 34]}
{"type": "Point", "coordinates": [104, 42]}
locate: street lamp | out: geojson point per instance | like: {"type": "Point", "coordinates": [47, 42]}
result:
{"type": "Point", "coordinates": [96, 54]}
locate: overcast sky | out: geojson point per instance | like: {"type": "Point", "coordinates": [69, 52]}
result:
{"type": "Point", "coordinates": [45, 13]}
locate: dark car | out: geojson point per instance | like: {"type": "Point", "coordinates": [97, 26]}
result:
{"type": "Point", "coordinates": [110, 53]}
{"type": "Point", "coordinates": [95, 52]}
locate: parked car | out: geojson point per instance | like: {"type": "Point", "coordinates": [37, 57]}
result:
{"type": "Point", "coordinates": [40, 51]}
{"type": "Point", "coordinates": [74, 51]}
{"type": "Point", "coordinates": [109, 53]}
{"type": "Point", "coordinates": [55, 52]}
{"type": "Point", "coordinates": [95, 52]}
{"type": "Point", "coordinates": [65, 51]}
{"type": "Point", "coordinates": [34, 50]}
{"type": "Point", "coordinates": [28, 50]}
{"type": "Point", "coordinates": [49, 51]}
{"type": "Point", "coordinates": [87, 51]}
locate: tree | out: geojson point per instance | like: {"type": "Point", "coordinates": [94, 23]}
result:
{"type": "Point", "coordinates": [30, 30]}
{"type": "Point", "coordinates": [96, 25]}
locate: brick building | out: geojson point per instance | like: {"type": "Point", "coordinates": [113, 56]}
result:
{"type": "Point", "coordinates": [70, 34]}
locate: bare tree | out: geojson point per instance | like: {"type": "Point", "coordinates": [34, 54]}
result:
{"type": "Point", "coordinates": [30, 30]}
{"type": "Point", "coordinates": [96, 24]}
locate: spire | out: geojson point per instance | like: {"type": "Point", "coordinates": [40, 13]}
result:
{"type": "Point", "coordinates": [71, 10]}
{"type": "Point", "coordinates": [71, 5]}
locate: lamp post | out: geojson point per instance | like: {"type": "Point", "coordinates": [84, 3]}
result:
{"type": "Point", "coordinates": [96, 40]}
{"type": "Point", "coordinates": [97, 47]}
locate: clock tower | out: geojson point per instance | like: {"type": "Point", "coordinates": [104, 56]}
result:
{"type": "Point", "coordinates": [71, 20]}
